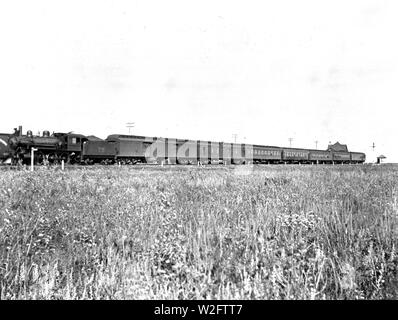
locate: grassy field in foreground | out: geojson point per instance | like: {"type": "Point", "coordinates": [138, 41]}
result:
{"type": "Point", "coordinates": [277, 232]}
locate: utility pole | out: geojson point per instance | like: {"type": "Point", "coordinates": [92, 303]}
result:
{"type": "Point", "coordinates": [130, 125]}
{"type": "Point", "coordinates": [234, 136]}
{"type": "Point", "coordinates": [290, 142]}
{"type": "Point", "coordinates": [316, 144]}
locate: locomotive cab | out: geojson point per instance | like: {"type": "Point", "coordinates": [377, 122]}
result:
{"type": "Point", "coordinates": [71, 142]}
{"type": "Point", "coordinates": [75, 142]}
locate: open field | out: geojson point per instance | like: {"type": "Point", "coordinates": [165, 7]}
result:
{"type": "Point", "coordinates": [277, 232]}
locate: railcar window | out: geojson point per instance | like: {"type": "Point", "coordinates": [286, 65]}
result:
{"type": "Point", "coordinates": [74, 140]}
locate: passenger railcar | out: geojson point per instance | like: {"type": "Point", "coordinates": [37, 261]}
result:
{"type": "Point", "coordinates": [290, 155]}
{"type": "Point", "coordinates": [320, 157]}
{"type": "Point", "coordinates": [266, 154]}
{"type": "Point", "coordinates": [341, 157]}
{"type": "Point", "coordinates": [357, 157]}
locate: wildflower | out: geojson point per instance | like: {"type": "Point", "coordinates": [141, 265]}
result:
{"type": "Point", "coordinates": [347, 281]}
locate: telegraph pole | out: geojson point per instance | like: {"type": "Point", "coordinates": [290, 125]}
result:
{"type": "Point", "coordinates": [130, 125]}
{"type": "Point", "coordinates": [290, 142]}
{"type": "Point", "coordinates": [234, 136]}
{"type": "Point", "coordinates": [316, 144]}
{"type": "Point", "coordinates": [373, 146]}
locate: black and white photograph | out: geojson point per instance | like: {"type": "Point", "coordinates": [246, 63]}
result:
{"type": "Point", "coordinates": [198, 151]}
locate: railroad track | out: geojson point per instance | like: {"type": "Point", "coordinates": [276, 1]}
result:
{"type": "Point", "coordinates": [144, 165]}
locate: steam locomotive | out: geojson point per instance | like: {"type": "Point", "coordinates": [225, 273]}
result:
{"type": "Point", "coordinates": [16, 147]}
{"type": "Point", "coordinates": [131, 149]}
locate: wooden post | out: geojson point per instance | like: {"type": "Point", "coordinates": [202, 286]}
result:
{"type": "Point", "coordinates": [32, 158]}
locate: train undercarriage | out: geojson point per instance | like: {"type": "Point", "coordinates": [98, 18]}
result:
{"type": "Point", "coordinates": [44, 157]}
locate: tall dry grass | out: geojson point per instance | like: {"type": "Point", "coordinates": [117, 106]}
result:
{"type": "Point", "coordinates": [279, 232]}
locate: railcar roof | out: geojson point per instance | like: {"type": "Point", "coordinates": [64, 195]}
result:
{"type": "Point", "coordinates": [71, 134]}
{"type": "Point", "coordinates": [126, 137]}
{"type": "Point", "coordinates": [305, 149]}
{"type": "Point", "coordinates": [134, 137]}
{"type": "Point", "coordinates": [262, 146]}
{"type": "Point", "coordinates": [94, 138]}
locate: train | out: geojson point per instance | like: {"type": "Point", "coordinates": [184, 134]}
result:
{"type": "Point", "coordinates": [72, 148]}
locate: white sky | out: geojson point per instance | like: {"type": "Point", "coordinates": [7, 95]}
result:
{"type": "Point", "coordinates": [266, 70]}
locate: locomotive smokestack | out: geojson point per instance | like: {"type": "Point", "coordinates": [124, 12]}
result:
{"type": "Point", "coordinates": [20, 130]}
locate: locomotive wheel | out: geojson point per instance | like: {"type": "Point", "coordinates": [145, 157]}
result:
{"type": "Point", "coordinates": [65, 157]}
{"type": "Point", "coordinates": [19, 157]}
{"type": "Point", "coordinates": [40, 158]}
{"type": "Point", "coordinates": [73, 159]}
{"type": "Point", "coordinates": [88, 161]}
{"type": "Point", "coordinates": [53, 159]}
{"type": "Point", "coordinates": [17, 161]}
